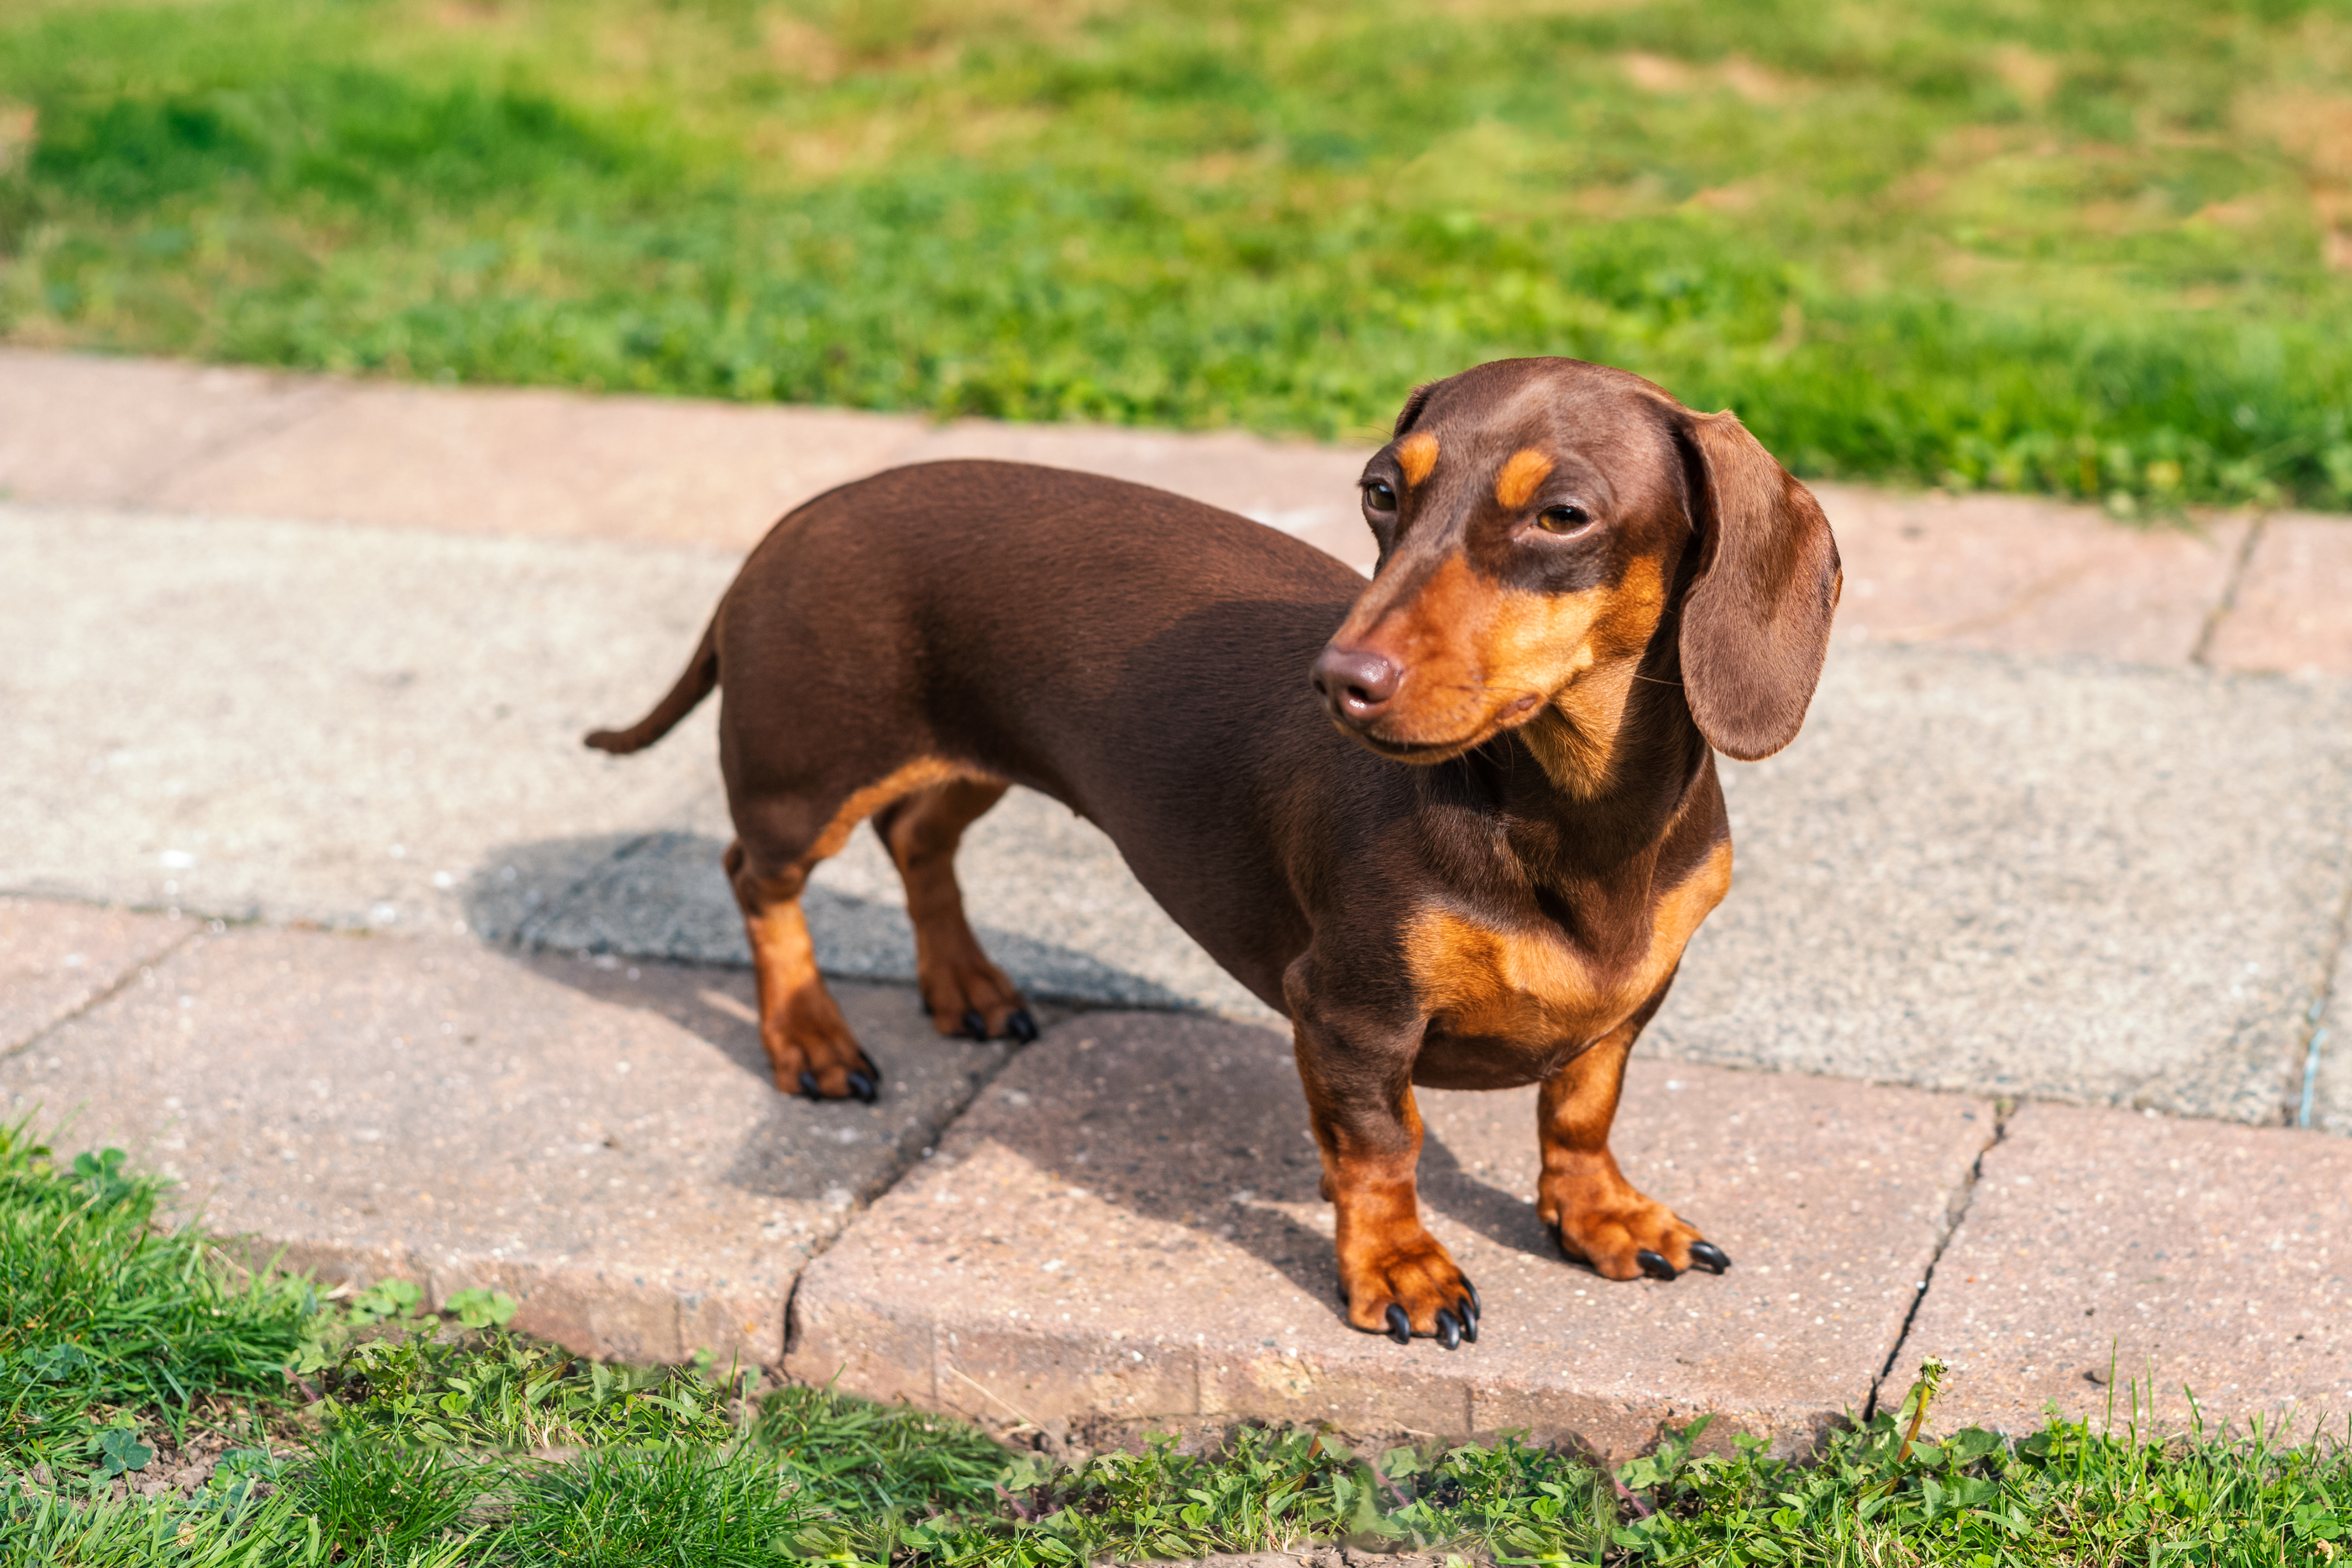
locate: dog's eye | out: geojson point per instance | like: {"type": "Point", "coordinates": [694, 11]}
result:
{"type": "Point", "coordinates": [1562, 519]}
{"type": "Point", "coordinates": [1378, 496]}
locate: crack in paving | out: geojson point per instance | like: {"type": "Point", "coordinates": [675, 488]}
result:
{"type": "Point", "coordinates": [2225, 606]}
{"type": "Point", "coordinates": [2300, 1105]}
{"type": "Point", "coordinates": [131, 974]}
{"type": "Point", "coordinates": [1956, 1213]}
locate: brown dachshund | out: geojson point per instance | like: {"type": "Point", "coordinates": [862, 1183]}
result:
{"type": "Point", "coordinates": [1457, 825]}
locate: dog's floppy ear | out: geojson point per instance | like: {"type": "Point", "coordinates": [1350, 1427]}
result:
{"type": "Point", "coordinates": [1756, 620]}
{"type": "Point", "coordinates": [1409, 413]}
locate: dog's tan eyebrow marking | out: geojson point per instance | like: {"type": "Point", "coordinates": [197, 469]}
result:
{"type": "Point", "coordinates": [1418, 455]}
{"type": "Point", "coordinates": [1516, 483]}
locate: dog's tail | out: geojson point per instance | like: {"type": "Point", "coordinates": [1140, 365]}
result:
{"type": "Point", "coordinates": [701, 675]}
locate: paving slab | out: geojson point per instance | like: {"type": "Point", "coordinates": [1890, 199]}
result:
{"type": "Point", "coordinates": [2100, 1246]}
{"type": "Point", "coordinates": [2327, 1058]}
{"type": "Point", "coordinates": [510, 461]}
{"type": "Point", "coordinates": [2060, 879]}
{"type": "Point", "coordinates": [2026, 575]}
{"type": "Point", "coordinates": [80, 429]}
{"type": "Point", "coordinates": [1127, 1224]}
{"type": "Point", "coordinates": [58, 959]}
{"type": "Point", "coordinates": [601, 1141]}
{"type": "Point", "coordinates": [2292, 609]}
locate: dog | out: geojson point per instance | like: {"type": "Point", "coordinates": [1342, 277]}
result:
{"type": "Point", "coordinates": [1456, 824]}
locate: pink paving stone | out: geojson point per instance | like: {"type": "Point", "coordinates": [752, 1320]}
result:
{"type": "Point", "coordinates": [2294, 607]}
{"type": "Point", "coordinates": [76, 428]}
{"type": "Point", "coordinates": [56, 958]}
{"type": "Point", "coordinates": [1128, 1225]}
{"type": "Point", "coordinates": [2025, 576]}
{"type": "Point", "coordinates": [2178, 1253]}
{"type": "Point", "coordinates": [670, 471]}
{"type": "Point", "coordinates": [602, 1143]}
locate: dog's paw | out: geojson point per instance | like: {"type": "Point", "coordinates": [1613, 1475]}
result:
{"type": "Point", "coordinates": [1625, 1235]}
{"type": "Point", "coordinates": [973, 998]}
{"type": "Point", "coordinates": [1411, 1288]}
{"type": "Point", "coordinates": [813, 1054]}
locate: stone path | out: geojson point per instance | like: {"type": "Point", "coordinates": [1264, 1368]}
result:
{"type": "Point", "coordinates": [318, 902]}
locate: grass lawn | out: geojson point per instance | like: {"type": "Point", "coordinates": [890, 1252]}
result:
{"type": "Point", "coordinates": [2097, 247]}
{"type": "Point", "coordinates": [367, 1432]}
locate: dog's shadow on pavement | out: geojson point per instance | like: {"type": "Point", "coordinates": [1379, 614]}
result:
{"type": "Point", "coordinates": [661, 896]}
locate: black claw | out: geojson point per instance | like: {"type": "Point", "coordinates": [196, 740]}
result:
{"type": "Point", "coordinates": [1020, 1026]}
{"type": "Point", "coordinates": [865, 1065]}
{"type": "Point", "coordinates": [1449, 1330]}
{"type": "Point", "coordinates": [1400, 1325]}
{"type": "Point", "coordinates": [808, 1085]}
{"type": "Point", "coordinates": [1469, 1316]}
{"type": "Point", "coordinates": [862, 1086]}
{"type": "Point", "coordinates": [1706, 1255]}
{"type": "Point", "coordinates": [1653, 1265]}
{"type": "Point", "coordinates": [1475, 1308]}
{"type": "Point", "coordinates": [974, 1025]}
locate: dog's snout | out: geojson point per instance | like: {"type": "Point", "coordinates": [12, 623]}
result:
{"type": "Point", "coordinates": [1356, 681]}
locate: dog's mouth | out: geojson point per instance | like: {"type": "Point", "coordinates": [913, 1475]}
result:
{"type": "Point", "coordinates": [1408, 748]}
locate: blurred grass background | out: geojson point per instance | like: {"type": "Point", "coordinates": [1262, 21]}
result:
{"type": "Point", "coordinates": [2096, 247]}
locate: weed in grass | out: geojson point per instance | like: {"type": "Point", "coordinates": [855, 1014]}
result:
{"type": "Point", "coordinates": [367, 1501]}
{"type": "Point", "coordinates": [103, 1312]}
{"type": "Point", "coordinates": [2041, 246]}
{"type": "Point", "coordinates": [499, 1392]}
{"type": "Point", "coordinates": [669, 1505]}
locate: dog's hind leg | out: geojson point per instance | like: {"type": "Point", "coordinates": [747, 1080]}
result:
{"type": "Point", "coordinates": [809, 1043]}
{"type": "Point", "coordinates": [963, 992]}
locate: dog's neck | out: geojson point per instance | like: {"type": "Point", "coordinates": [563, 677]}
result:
{"type": "Point", "coordinates": [1595, 784]}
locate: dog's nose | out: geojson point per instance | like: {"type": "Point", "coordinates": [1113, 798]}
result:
{"type": "Point", "coordinates": [1358, 684]}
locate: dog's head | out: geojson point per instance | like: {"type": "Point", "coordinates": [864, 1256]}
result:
{"type": "Point", "coordinates": [1551, 531]}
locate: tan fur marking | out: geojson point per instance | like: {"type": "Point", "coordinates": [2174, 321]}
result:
{"type": "Point", "coordinates": [920, 774]}
{"type": "Point", "coordinates": [1417, 455]}
{"type": "Point", "coordinates": [1534, 988]}
{"type": "Point", "coordinates": [1516, 484]}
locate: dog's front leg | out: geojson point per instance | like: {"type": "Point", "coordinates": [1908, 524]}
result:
{"type": "Point", "coordinates": [1598, 1217]}
{"type": "Point", "coordinates": [1396, 1277]}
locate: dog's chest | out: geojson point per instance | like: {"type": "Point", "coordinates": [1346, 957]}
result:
{"type": "Point", "coordinates": [1539, 992]}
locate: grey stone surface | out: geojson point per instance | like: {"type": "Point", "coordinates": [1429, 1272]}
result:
{"type": "Point", "coordinates": [600, 1139]}
{"type": "Point", "coordinates": [2102, 1249]}
{"type": "Point", "coordinates": [2065, 879]}
{"type": "Point", "coordinates": [1127, 1224]}
{"type": "Point", "coordinates": [2327, 1059]}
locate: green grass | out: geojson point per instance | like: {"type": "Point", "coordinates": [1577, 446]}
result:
{"type": "Point", "coordinates": [375, 1435]}
{"type": "Point", "coordinates": [105, 1319]}
{"type": "Point", "coordinates": [2096, 247]}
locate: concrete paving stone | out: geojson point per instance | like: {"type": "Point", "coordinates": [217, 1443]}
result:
{"type": "Point", "coordinates": [2025, 575]}
{"type": "Point", "coordinates": [603, 1141]}
{"type": "Point", "coordinates": [2060, 879]}
{"type": "Point", "coordinates": [510, 461]}
{"type": "Point", "coordinates": [2294, 605]}
{"type": "Point", "coordinates": [56, 958]}
{"type": "Point", "coordinates": [2099, 1244]}
{"type": "Point", "coordinates": [332, 724]}
{"type": "Point", "coordinates": [1127, 1225]}
{"type": "Point", "coordinates": [79, 429]}
{"type": "Point", "coordinates": [2328, 1056]}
